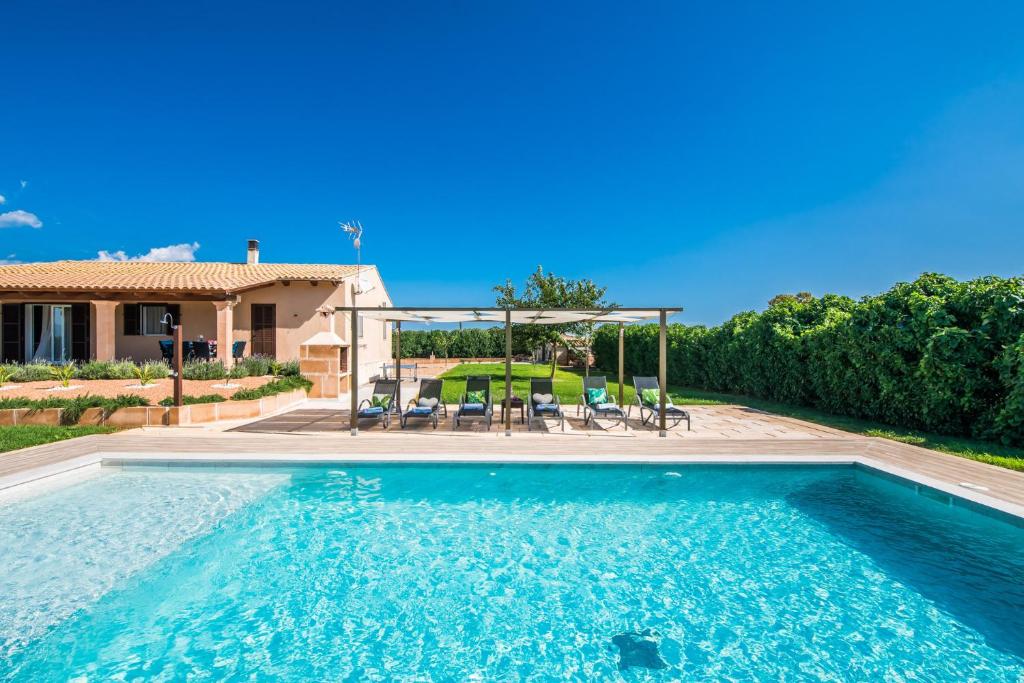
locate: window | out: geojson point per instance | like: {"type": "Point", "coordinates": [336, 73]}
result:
{"type": "Point", "coordinates": [359, 324]}
{"type": "Point", "coordinates": [151, 317]}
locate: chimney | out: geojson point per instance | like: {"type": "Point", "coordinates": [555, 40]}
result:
{"type": "Point", "coordinates": [253, 254]}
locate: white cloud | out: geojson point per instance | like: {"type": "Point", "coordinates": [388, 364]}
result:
{"type": "Point", "coordinates": [3, 199]}
{"type": "Point", "coordinates": [19, 219]}
{"type": "Point", "coordinates": [24, 184]}
{"type": "Point", "coordinates": [172, 252]}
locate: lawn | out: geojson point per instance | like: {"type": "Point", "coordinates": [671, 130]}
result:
{"type": "Point", "coordinates": [569, 384]}
{"type": "Point", "coordinates": [23, 436]}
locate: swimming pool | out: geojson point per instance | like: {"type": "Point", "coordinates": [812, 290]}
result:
{"type": "Point", "coordinates": [505, 573]}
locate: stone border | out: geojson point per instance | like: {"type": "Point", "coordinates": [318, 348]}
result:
{"type": "Point", "coordinates": [159, 416]}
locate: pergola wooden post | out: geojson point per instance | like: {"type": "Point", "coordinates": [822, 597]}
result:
{"type": "Point", "coordinates": [353, 388]}
{"type": "Point", "coordinates": [507, 410]}
{"type": "Point", "coordinates": [662, 371]}
{"type": "Point", "coordinates": [622, 365]}
{"type": "Point", "coordinates": [398, 367]}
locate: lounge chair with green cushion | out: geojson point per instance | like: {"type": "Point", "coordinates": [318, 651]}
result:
{"type": "Point", "coordinates": [597, 402]}
{"type": "Point", "coordinates": [648, 394]}
{"type": "Point", "coordinates": [382, 404]}
{"type": "Point", "coordinates": [476, 402]}
{"type": "Point", "coordinates": [544, 402]}
{"type": "Point", "coordinates": [428, 404]}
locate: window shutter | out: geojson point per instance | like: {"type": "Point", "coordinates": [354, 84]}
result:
{"type": "Point", "coordinates": [12, 332]}
{"type": "Point", "coordinates": [175, 311]}
{"type": "Point", "coordinates": [132, 320]}
{"type": "Point", "coordinates": [80, 314]}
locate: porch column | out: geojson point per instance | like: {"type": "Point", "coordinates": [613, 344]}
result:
{"type": "Point", "coordinates": [225, 330]}
{"type": "Point", "coordinates": [508, 372]}
{"type": "Point", "coordinates": [103, 330]}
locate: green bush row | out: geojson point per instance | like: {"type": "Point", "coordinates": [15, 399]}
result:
{"type": "Point", "coordinates": [277, 386]}
{"type": "Point", "coordinates": [934, 354]}
{"type": "Point", "coordinates": [250, 366]}
{"type": "Point", "coordinates": [472, 342]}
{"type": "Point", "coordinates": [74, 407]}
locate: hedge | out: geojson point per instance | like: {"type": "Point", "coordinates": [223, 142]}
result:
{"type": "Point", "coordinates": [935, 354]}
{"type": "Point", "coordinates": [472, 342]}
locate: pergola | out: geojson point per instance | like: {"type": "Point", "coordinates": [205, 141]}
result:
{"type": "Point", "coordinates": [508, 316]}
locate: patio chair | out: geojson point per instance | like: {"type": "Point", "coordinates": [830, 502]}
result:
{"type": "Point", "coordinates": [544, 402]}
{"type": "Point", "coordinates": [201, 350]}
{"type": "Point", "coordinates": [476, 402]}
{"type": "Point", "coordinates": [237, 349]}
{"type": "Point", "coordinates": [382, 404]}
{"type": "Point", "coordinates": [187, 350]}
{"type": "Point", "coordinates": [597, 402]}
{"type": "Point", "coordinates": [428, 404]}
{"type": "Point", "coordinates": [167, 350]}
{"type": "Point", "coordinates": [648, 397]}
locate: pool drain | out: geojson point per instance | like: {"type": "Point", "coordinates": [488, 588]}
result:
{"type": "Point", "coordinates": [638, 648]}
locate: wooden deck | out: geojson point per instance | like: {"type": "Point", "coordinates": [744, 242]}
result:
{"type": "Point", "coordinates": [721, 434]}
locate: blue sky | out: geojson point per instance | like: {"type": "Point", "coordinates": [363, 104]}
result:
{"type": "Point", "coordinates": [703, 156]}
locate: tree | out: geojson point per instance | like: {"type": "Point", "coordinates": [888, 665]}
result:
{"type": "Point", "coordinates": [547, 290]}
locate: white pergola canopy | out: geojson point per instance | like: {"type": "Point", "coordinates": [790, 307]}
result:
{"type": "Point", "coordinates": [508, 317]}
{"type": "Point", "coordinates": [548, 316]}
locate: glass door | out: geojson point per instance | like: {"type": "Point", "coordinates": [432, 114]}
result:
{"type": "Point", "coordinates": [48, 333]}
{"type": "Point", "coordinates": [61, 331]}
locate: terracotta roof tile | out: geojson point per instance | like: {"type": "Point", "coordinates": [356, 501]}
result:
{"type": "Point", "coordinates": [150, 276]}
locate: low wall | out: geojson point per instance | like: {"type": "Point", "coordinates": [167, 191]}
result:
{"type": "Point", "coordinates": [159, 416]}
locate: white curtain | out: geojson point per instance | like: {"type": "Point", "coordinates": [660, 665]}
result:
{"type": "Point", "coordinates": [44, 352]}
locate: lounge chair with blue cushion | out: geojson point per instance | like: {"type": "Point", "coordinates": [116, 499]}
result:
{"type": "Point", "coordinates": [237, 350]}
{"type": "Point", "coordinates": [476, 402]}
{"type": "Point", "coordinates": [544, 402]}
{"type": "Point", "coordinates": [597, 402]}
{"type": "Point", "coordinates": [428, 404]}
{"type": "Point", "coordinates": [382, 404]}
{"type": "Point", "coordinates": [648, 397]}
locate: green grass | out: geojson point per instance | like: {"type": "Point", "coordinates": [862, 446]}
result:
{"type": "Point", "coordinates": [568, 383]}
{"type": "Point", "coordinates": [23, 436]}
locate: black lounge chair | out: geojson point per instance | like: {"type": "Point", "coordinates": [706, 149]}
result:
{"type": "Point", "coordinates": [676, 415]}
{"type": "Point", "coordinates": [237, 350]}
{"type": "Point", "coordinates": [475, 409]}
{"type": "Point", "coordinates": [372, 410]}
{"type": "Point", "coordinates": [544, 402]}
{"type": "Point", "coordinates": [595, 409]}
{"type": "Point", "coordinates": [429, 404]}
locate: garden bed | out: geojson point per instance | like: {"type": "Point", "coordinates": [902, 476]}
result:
{"type": "Point", "coordinates": [159, 389]}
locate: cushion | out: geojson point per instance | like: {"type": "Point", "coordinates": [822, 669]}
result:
{"type": "Point", "coordinates": [607, 406]}
{"type": "Point", "coordinates": [550, 407]}
{"type": "Point", "coordinates": [473, 406]}
{"type": "Point", "coordinates": [380, 400]}
{"type": "Point", "coordinates": [650, 397]}
{"type": "Point", "coordinates": [542, 398]}
{"type": "Point", "coordinates": [596, 396]}
{"type": "Point", "coordinates": [476, 396]}
{"type": "Point", "coordinates": [426, 402]}
{"type": "Point", "coordinates": [374, 410]}
{"type": "Point", "coordinates": [421, 410]}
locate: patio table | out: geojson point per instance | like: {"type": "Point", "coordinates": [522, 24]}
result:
{"type": "Point", "coordinates": [516, 403]}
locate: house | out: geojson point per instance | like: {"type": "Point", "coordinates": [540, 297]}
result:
{"type": "Point", "coordinates": [107, 310]}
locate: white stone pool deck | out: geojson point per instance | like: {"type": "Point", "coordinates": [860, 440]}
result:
{"type": "Point", "coordinates": [315, 432]}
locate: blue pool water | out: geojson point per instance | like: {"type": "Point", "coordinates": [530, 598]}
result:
{"type": "Point", "coordinates": [506, 573]}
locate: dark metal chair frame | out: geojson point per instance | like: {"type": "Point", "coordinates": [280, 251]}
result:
{"type": "Point", "coordinates": [676, 415]}
{"type": "Point", "coordinates": [591, 411]}
{"type": "Point", "coordinates": [475, 383]}
{"type": "Point", "coordinates": [541, 385]}
{"type": "Point", "coordinates": [429, 388]}
{"type": "Point", "coordinates": [387, 387]}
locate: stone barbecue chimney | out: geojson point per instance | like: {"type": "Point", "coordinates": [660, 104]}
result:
{"type": "Point", "coordinates": [253, 253]}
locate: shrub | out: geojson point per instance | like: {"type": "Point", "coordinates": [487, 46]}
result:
{"type": "Point", "coordinates": [288, 368]}
{"type": "Point", "coordinates": [202, 370]}
{"type": "Point", "coordinates": [63, 373]}
{"type": "Point", "coordinates": [95, 369]}
{"type": "Point", "coordinates": [144, 374]}
{"type": "Point", "coordinates": [192, 400]}
{"type": "Point", "coordinates": [32, 372]}
{"type": "Point", "coordinates": [5, 374]}
{"type": "Point", "coordinates": [74, 407]}
{"type": "Point", "coordinates": [934, 354]}
{"type": "Point", "coordinates": [275, 387]}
